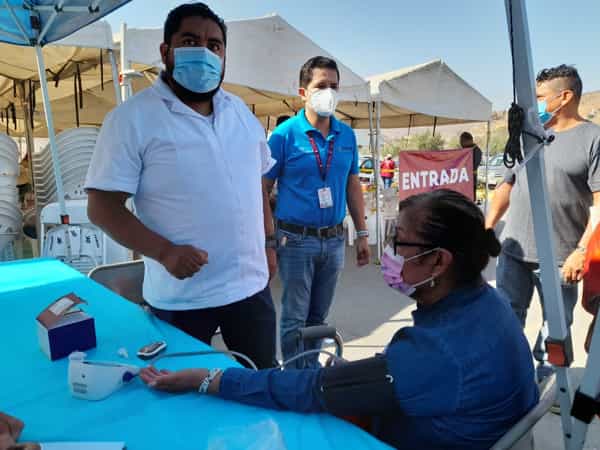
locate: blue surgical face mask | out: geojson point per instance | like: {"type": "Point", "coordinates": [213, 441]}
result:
{"type": "Point", "coordinates": [197, 69]}
{"type": "Point", "coordinates": [543, 113]}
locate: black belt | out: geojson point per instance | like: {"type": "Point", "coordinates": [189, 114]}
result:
{"type": "Point", "coordinates": [321, 233]}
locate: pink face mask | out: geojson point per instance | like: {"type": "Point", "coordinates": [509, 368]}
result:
{"type": "Point", "coordinates": [391, 269]}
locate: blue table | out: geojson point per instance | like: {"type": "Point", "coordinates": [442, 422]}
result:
{"type": "Point", "coordinates": [36, 390]}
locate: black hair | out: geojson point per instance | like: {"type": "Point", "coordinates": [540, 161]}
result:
{"type": "Point", "coordinates": [281, 119]}
{"type": "Point", "coordinates": [317, 62]}
{"type": "Point", "coordinates": [449, 220]}
{"type": "Point", "coordinates": [466, 136]}
{"type": "Point", "coordinates": [569, 73]}
{"type": "Point", "coordinates": [176, 16]}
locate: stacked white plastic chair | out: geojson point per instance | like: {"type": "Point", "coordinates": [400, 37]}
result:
{"type": "Point", "coordinates": [75, 149]}
{"type": "Point", "coordinates": [89, 246]}
{"type": "Point", "coordinates": [11, 217]}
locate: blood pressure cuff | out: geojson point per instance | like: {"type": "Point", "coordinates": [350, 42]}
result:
{"type": "Point", "coordinates": [363, 387]}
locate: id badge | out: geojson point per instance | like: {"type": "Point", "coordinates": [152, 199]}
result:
{"type": "Point", "coordinates": [325, 198]}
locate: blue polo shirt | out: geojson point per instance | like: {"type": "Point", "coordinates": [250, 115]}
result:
{"type": "Point", "coordinates": [298, 176]}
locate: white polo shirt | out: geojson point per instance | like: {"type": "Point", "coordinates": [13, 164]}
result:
{"type": "Point", "coordinates": [195, 181]}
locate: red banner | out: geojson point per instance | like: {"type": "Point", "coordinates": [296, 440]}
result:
{"type": "Point", "coordinates": [424, 171]}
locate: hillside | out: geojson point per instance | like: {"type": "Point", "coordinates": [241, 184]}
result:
{"type": "Point", "coordinates": [589, 108]}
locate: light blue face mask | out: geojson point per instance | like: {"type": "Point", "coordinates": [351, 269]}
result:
{"type": "Point", "coordinates": [543, 113]}
{"type": "Point", "coordinates": [197, 69]}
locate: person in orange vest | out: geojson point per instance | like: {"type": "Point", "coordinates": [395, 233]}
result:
{"type": "Point", "coordinates": [387, 171]}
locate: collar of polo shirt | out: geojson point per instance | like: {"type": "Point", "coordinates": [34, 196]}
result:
{"type": "Point", "coordinates": [305, 125]}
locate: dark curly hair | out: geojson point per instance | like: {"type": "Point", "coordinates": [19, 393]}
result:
{"type": "Point", "coordinates": [568, 73]}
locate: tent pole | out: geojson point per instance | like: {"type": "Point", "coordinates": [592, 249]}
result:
{"type": "Point", "coordinates": [487, 167]}
{"type": "Point", "coordinates": [124, 81]}
{"type": "Point", "coordinates": [554, 308]}
{"type": "Point", "coordinates": [115, 75]}
{"type": "Point", "coordinates": [30, 147]}
{"type": "Point", "coordinates": [52, 140]}
{"type": "Point", "coordinates": [377, 180]}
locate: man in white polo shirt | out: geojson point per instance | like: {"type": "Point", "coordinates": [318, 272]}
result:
{"type": "Point", "coordinates": [192, 155]}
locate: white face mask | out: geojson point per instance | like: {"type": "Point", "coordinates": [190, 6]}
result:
{"type": "Point", "coordinates": [324, 102]}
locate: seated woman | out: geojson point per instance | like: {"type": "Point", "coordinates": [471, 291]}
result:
{"type": "Point", "coordinates": [459, 378]}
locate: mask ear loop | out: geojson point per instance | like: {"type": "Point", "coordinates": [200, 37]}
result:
{"type": "Point", "coordinates": [431, 279]}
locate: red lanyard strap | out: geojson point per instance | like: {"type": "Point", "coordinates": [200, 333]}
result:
{"type": "Point", "coordinates": [317, 153]}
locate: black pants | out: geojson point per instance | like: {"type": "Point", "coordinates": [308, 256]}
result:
{"type": "Point", "coordinates": [247, 326]}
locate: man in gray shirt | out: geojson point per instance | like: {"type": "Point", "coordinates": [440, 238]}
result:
{"type": "Point", "coordinates": [573, 180]}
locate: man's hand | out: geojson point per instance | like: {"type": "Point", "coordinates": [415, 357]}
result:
{"type": "Point", "coordinates": [272, 262]}
{"type": "Point", "coordinates": [180, 381]}
{"type": "Point", "coordinates": [10, 430]}
{"type": "Point", "coordinates": [183, 261]}
{"type": "Point", "coordinates": [572, 269]}
{"type": "Point", "coordinates": [363, 251]}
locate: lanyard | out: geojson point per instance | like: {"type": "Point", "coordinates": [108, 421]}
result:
{"type": "Point", "coordinates": [313, 144]}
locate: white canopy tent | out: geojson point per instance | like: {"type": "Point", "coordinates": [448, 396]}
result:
{"type": "Point", "coordinates": [426, 94]}
{"type": "Point", "coordinates": [36, 23]}
{"type": "Point", "coordinates": [82, 62]}
{"type": "Point", "coordinates": [429, 94]}
{"type": "Point", "coordinates": [264, 57]}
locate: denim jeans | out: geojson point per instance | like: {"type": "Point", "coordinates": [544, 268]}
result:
{"type": "Point", "coordinates": [387, 182]}
{"type": "Point", "coordinates": [309, 269]}
{"type": "Point", "coordinates": [515, 280]}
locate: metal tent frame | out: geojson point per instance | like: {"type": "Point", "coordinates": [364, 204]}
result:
{"type": "Point", "coordinates": [35, 23]}
{"type": "Point", "coordinates": [559, 342]}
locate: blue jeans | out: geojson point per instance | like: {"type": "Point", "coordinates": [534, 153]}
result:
{"type": "Point", "coordinates": [309, 269]}
{"type": "Point", "coordinates": [387, 182]}
{"type": "Point", "coordinates": [515, 280]}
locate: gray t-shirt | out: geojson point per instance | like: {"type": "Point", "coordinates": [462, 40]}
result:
{"type": "Point", "coordinates": [572, 175]}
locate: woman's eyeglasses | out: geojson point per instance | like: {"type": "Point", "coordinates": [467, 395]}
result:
{"type": "Point", "coordinates": [397, 244]}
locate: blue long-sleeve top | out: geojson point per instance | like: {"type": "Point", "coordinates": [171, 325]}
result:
{"type": "Point", "coordinates": [463, 376]}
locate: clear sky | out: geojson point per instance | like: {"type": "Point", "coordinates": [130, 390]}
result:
{"type": "Point", "coordinates": [383, 35]}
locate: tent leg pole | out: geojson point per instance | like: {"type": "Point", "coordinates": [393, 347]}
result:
{"type": "Point", "coordinates": [487, 166]}
{"type": "Point", "coordinates": [52, 141]}
{"type": "Point", "coordinates": [115, 76]}
{"type": "Point", "coordinates": [30, 147]}
{"type": "Point", "coordinates": [518, 30]}
{"type": "Point", "coordinates": [371, 110]}
{"type": "Point", "coordinates": [377, 178]}
{"type": "Point", "coordinates": [125, 93]}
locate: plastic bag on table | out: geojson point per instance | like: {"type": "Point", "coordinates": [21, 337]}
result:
{"type": "Point", "coordinates": [264, 435]}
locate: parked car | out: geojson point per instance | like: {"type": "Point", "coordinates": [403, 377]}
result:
{"type": "Point", "coordinates": [365, 167]}
{"type": "Point", "coordinates": [495, 171]}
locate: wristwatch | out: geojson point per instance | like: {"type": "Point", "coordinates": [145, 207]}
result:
{"type": "Point", "coordinates": [362, 233]}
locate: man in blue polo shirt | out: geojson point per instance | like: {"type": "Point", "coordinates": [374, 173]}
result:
{"type": "Point", "coordinates": [317, 176]}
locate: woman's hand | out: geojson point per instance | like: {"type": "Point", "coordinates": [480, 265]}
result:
{"type": "Point", "coordinates": [180, 381]}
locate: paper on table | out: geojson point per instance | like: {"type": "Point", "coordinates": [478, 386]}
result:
{"type": "Point", "coordinates": [83, 446]}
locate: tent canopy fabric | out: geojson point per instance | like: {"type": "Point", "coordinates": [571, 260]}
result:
{"type": "Point", "coordinates": [264, 57]}
{"type": "Point", "coordinates": [38, 22]}
{"type": "Point", "coordinates": [427, 93]}
{"type": "Point", "coordinates": [70, 60]}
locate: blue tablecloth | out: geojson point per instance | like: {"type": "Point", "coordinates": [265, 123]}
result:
{"type": "Point", "coordinates": [36, 390]}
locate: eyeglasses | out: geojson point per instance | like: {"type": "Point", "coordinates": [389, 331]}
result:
{"type": "Point", "coordinates": [397, 244]}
